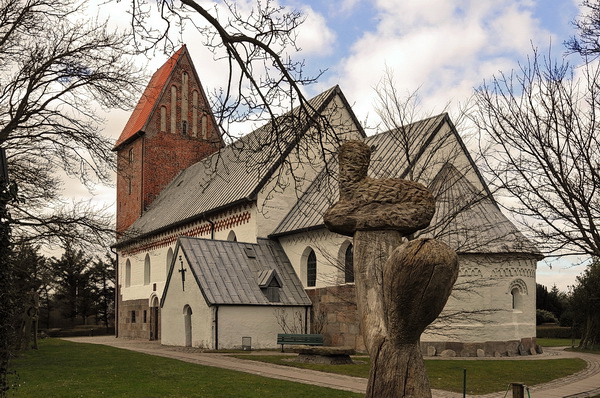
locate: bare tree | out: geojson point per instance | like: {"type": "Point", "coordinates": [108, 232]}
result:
{"type": "Point", "coordinates": [539, 127]}
{"type": "Point", "coordinates": [588, 26]}
{"type": "Point", "coordinates": [58, 71]}
{"type": "Point", "coordinates": [264, 83]}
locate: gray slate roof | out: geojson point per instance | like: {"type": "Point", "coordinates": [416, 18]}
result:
{"type": "Point", "coordinates": [227, 275]}
{"type": "Point", "coordinates": [233, 175]}
{"type": "Point", "coordinates": [466, 219]}
{"type": "Point", "coordinates": [386, 162]}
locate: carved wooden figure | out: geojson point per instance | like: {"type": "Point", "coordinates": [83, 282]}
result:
{"type": "Point", "coordinates": [401, 287]}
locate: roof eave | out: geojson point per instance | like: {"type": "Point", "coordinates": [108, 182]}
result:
{"type": "Point", "coordinates": [197, 217]}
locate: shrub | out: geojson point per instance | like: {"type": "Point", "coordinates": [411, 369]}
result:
{"type": "Point", "coordinates": [543, 316]}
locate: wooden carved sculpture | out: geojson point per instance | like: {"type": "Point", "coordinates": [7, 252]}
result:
{"type": "Point", "coordinates": [401, 287]}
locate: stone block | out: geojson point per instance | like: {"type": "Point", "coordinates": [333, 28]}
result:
{"type": "Point", "coordinates": [448, 354]}
{"type": "Point", "coordinates": [480, 353]}
{"type": "Point", "coordinates": [431, 351]}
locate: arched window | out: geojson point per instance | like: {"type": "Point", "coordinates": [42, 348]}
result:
{"type": "Point", "coordinates": [349, 264]}
{"type": "Point", "coordinates": [311, 269]}
{"type": "Point", "coordinates": [517, 289]}
{"type": "Point", "coordinates": [173, 109]}
{"type": "Point", "coordinates": [231, 237]}
{"type": "Point", "coordinates": [187, 325]}
{"type": "Point", "coordinates": [128, 273]}
{"type": "Point", "coordinates": [169, 259]}
{"type": "Point", "coordinates": [147, 270]}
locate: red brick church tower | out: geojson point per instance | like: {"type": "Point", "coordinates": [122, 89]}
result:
{"type": "Point", "coordinates": [171, 128]}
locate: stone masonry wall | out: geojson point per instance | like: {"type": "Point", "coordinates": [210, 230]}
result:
{"type": "Point", "coordinates": [334, 315]}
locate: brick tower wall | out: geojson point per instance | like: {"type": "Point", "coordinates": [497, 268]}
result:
{"type": "Point", "coordinates": [166, 147]}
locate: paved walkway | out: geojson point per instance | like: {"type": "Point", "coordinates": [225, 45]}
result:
{"type": "Point", "coordinates": [583, 384]}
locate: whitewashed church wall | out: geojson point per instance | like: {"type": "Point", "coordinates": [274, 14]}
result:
{"type": "Point", "coordinates": [445, 148]}
{"type": "Point", "coordinates": [483, 293]}
{"type": "Point", "coordinates": [260, 323]}
{"type": "Point", "coordinates": [245, 231]}
{"type": "Point", "coordinates": [173, 316]}
{"type": "Point", "coordinates": [327, 246]}
{"type": "Point", "coordinates": [274, 202]}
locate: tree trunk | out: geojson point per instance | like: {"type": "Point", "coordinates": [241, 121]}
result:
{"type": "Point", "coordinates": [401, 289]}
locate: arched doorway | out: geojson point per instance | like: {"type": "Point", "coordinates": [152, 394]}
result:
{"type": "Point", "coordinates": [154, 318]}
{"type": "Point", "coordinates": [187, 324]}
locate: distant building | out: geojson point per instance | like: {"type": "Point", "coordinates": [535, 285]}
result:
{"type": "Point", "coordinates": [218, 243]}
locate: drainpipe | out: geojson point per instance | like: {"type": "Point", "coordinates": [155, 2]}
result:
{"type": "Point", "coordinates": [117, 292]}
{"type": "Point", "coordinates": [216, 322]}
{"type": "Point", "coordinates": [212, 229]}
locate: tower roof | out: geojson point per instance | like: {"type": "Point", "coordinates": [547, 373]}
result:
{"type": "Point", "coordinates": [139, 117]}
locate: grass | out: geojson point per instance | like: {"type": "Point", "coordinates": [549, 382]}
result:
{"type": "Point", "coordinates": [65, 369]}
{"type": "Point", "coordinates": [483, 376]}
{"type": "Point", "coordinates": [548, 342]}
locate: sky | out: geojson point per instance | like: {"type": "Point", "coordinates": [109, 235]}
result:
{"type": "Point", "coordinates": [443, 48]}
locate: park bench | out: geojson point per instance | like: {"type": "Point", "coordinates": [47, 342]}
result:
{"type": "Point", "coordinates": [299, 339]}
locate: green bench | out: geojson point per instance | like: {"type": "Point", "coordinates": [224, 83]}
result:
{"type": "Point", "coordinates": [299, 339]}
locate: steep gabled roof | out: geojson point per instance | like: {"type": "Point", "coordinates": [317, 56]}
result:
{"type": "Point", "coordinates": [237, 277]}
{"type": "Point", "coordinates": [231, 176]}
{"type": "Point", "coordinates": [143, 110]}
{"type": "Point", "coordinates": [386, 161]}
{"type": "Point", "coordinates": [469, 221]}
{"type": "Point", "coordinates": [478, 227]}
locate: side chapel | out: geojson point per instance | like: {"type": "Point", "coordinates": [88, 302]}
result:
{"type": "Point", "coordinates": [216, 249]}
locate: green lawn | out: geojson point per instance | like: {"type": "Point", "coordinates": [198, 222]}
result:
{"type": "Point", "coordinates": [483, 376]}
{"type": "Point", "coordinates": [548, 342]}
{"type": "Point", "coordinates": [64, 369]}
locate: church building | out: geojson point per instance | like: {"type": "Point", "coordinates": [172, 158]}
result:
{"type": "Point", "coordinates": [224, 246]}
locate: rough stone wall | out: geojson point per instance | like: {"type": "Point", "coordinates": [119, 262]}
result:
{"type": "Point", "coordinates": [138, 329]}
{"type": "Point", "coordinates": [525, 346]}
{"type": "Point", "coordinates": [335, 316]}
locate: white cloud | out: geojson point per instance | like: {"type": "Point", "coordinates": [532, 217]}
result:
{"type": "Point", "coordinates": [444, 47]}
{"type": "Point", "coordinates": [314, 36]}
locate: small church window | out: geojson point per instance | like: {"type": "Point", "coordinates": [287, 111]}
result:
{"type": "Point", "coordinates": [231, 236]}
{"type": "Point", "coordinates": [147, 270]}
{"type": "Point", "coordinates": [129, 186]}
{"type": "Point", "coordinates": [169, 260]}
{"type": "Point", "coordinates": [132, 316]}
{"type": "Point", "coordinates": [349, 265]}
{"type": "Point", "coordinates": [184, 126]}
{"type": "Point", "coordinates": [130, 155]}
{"type": "Point", "coordinates": [516, 299]}
{"type": "Point", "coordinates": [128, 273]}
{"type": "Point", "coordinates": [145, 316]}
{"type": "Point", "coordinates": [311, 269]}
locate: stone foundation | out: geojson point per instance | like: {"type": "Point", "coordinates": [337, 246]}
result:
{"type": "Point", "coordinates": [334, 315]}
{"type": "Point", "coordinates": [138, 326]}
{"type": "Point", "coordinates": [526, 346]}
